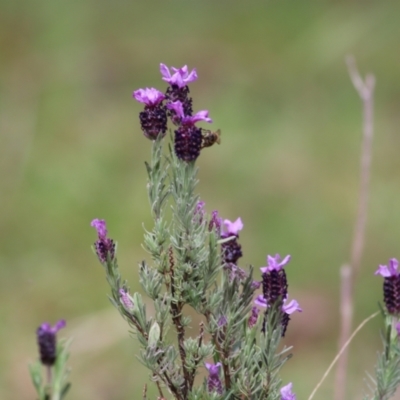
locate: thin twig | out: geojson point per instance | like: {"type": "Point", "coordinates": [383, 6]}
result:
{"type": "Point", "coordinates": [159, 389]}
{"type": "Point", "coordinates": [342, 350]}
{"type": "Point", "coordinates": [365, 89]}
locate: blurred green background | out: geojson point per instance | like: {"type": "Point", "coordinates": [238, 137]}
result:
{"type": "Point", "coordinates": [272, 74]}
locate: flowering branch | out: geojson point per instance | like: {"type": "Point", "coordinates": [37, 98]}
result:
{"type": "Point", "coordinates": [194, 264]}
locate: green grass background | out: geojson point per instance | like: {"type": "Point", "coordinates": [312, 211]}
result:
{"type": "Point", "coordinates": [272, 74]}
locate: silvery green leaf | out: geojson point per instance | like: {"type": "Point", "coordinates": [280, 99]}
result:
{"type": "Point", "coordinates": [154, 334]}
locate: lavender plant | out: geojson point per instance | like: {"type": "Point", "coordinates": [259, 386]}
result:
{"type": "Point", "coordinates": [194, 269]}
{"type": "Point", "coordinates": [194, 266]}
{"type": "Point", "coordinates": [53, 359]}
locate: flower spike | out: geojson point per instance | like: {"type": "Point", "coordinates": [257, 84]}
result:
{"type": "Point", "coordinates": [391, 285]}
{"type": "Point", "coordinates": [47, 341]}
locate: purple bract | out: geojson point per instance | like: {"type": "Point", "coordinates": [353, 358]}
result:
{"type": "Point", "coordinates": [149, 96]}
{"type": "Point", "coordinates": [275, 263]}
{"type": "Point", "coordinates": [286, 392]}
{"type": "Point", "coordinates": [387, 271]}
{"type": "Point", "coordinates": [177, 106]}
{"type": "Point", "coordinates": [180, 76]}
{"type": "Point", "coordinates": [232, 228]}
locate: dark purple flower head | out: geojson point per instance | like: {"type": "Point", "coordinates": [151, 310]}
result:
{"type": "Point", "coordinates": [188, 138]}
{"type": "Point", "coordinates": [391, 285]}
{"type": "Point", "coordinates": [231, 250]}
{"type": "Point", "coordinates": [47, 341]}
{"type": "Point", "coordinates": [149, 96]}
{"type": "Point", "coordinates": [275, 263]}
{"type": "Point", "coordinates": [153, 119]}
{"type": "Point", "coordinates": [213, 381]}
{"type": "Point", "coordinates": [180, 76]}
{"type": "Point", "coordinates": [232, 228]}
{"type": "Point", "coordinates": [388, 271]}
{"type": "Point", "coordinates": [104, 246]}
{"type": "Point", "coordinates": [286, 392]}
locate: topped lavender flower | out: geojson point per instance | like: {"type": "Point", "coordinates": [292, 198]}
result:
{"type": "Point", "coordinates": [180, 76]}
{"type": "Point", "coordinates": [153, 119]}
{"type": "Point", "coordinates": [178, 89]}
{"type": "Point", "coordinates": [214, 381]}
{"type": "Point", "coordinates": [274, 279]}
{"type": "Point", "coordinates": [231, 250]}
{"type": "Point", "coordinates": [188, 137]}
{"type": "Point", "coordinates": [104, 246]}
{"type": "Point", "coordinates": [391, 285]}
{"type": "Point", "coordinates": [46, 337]}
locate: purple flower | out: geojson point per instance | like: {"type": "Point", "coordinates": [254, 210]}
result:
{"type": "Point", "coordinates": [104, 246]}
{"type": "Point", "coordinates": [199, 212]}
{"type": "Point", "coordinates": [275, 263]}
{"type": "Point", "coordinates": [255, 285]}
{"type": "Point", "coordinates": [153, 119]}
{"type": "Point", "coordinates": [232, 228]}
{"type": "Point", "coordinates": [177, 107]}
{"type": "Point", "coordinates": [149, 96]}
{"type": "Point", "coordinates": [188, 137]}
{"type": "Point", "coordinates": [101, 228]}
{"type": "Point", "coordinates": [289, 308]}
{"type": "Point", "coordinates": [253, 317]}
{"type": "Point", "coordinates": [213, 380]}
{"type": "Point", "coordinates": [274, 279]}
{"type": "Point", "coordinates": [222, 321]}
{"type": "Point", "coordinates": [388, 271]}
{"type": "Point", "coordinates": [215, 222]}
{"type": "Point", "coordinates": [260, 301]}
{"type": "Point", "coordinates": [391, 285]}
{"type": "Point", "coordinates": [286, 392]}
{"type": "Point", "coordinates": [231, 250]}
{"type": "Point", "coordinates": [126, 299]}
{"type": "Point", "coordinates": [180, 76]}
{"type": "Point", "coordinates": [47, 341]}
